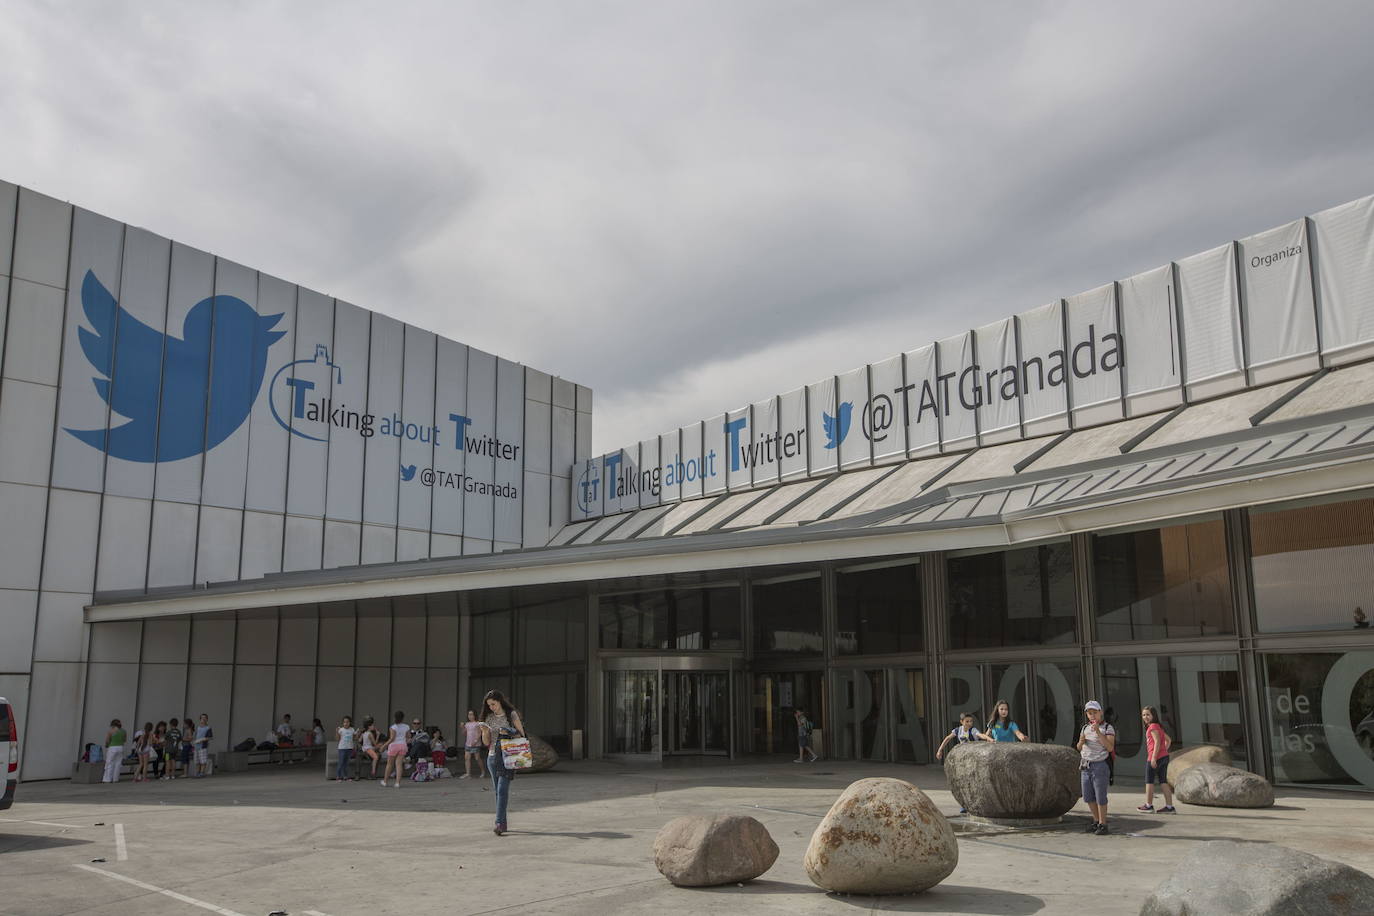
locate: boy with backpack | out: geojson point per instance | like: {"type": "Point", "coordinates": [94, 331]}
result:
{"type": "Point", "coordinates": [804, 727]}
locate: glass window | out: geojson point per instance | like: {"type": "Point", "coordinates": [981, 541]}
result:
{"type": "Point", "coordinates": [491, 639]}
{"type": "Point", "coordinates": [1162, 583]}
{"type": "Point", "coordinates": [1059, 695]}
{"type": "Point", "coordinates": [878, 610]}
{"type": "Point", "coordinates": [1321, 717]}
{"type": "Point", "coordinates": [552, 628]}
{"type": "Point", "coordinates": [909, 708]}
{"type": "Point", "coordinates": [965, 695]}
{"type": "Point", "coordinates": [1311, 566]}
{"type": "Point", "coordinates": [787, 616]}
{"type": "Point", "coordinates": [776, 695]}
{"type": "Point", "coordinates": [676, 619]}
{"type": "Point", "coordinates": [1012, 597]}
{"type": "Point", "coordinates": [1198, 698]}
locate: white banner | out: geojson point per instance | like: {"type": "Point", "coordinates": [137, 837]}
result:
{"type": "Point", "coordinates": [881, 421]}
{"type": "Point", "coordinates": [1345, 268]}
{"type": "Point", "coordinates": [792, 427]}
{"type": "Point", "coordinates": [1211, 322]}
{"type": "Point", "coordinates": [919, 407]}
{"type": "Point", "coordinates": [1150, 322]}
{"type": "Point", "coordinates": [957, 391]}
{"type": "Point", "coordinates": [1094, 356]}
{"type": "Point", "coordinates": [852, 398]}
{"type": "Point", "coordinates": [999, 378]}
{"type": "Point", "coordinates": [765, 450]}
{"type": "Point", "coordinates": [826, 427]}
{"type": "Point", "coordinates": [1280, 316]}
{"type": "Point", "coordinates": [1044, 369]}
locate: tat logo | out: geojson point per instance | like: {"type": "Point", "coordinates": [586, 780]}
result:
{"type": "Point", "coordinates": [165, 384]}
{"type": "Point", "coordinates": [837, 427]}
{"type": "Point", "coordinates": [588, 487]}
{"type": "Point", "coordinates": [303, 400]}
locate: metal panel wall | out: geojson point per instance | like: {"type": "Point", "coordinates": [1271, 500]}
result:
{"type": "Point", "coordinates": [186, 368]}
{"type": "Point", "coordinates": [1210, 305]}
{"type": "Point", "coordinates": [1149, 331]}
{"type": "Point", "coordinates": [1344, 258]}
{"type": "Point", "coordinates": [998, 382]}
{"type": "Point", "coordinates": [1279, 311]}
{"type": "Point", "coordinates": [1094, 356]}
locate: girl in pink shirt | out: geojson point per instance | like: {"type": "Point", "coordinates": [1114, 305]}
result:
{"type": "Point", "coordinates": [1156, 762]}
{"type": "Point", "coordinates": [472, 746]}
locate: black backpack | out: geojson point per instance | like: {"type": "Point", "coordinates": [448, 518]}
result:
{"type": "Point", "coordinates": [245, 745]}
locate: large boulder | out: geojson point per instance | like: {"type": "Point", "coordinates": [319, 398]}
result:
{"type": "Point", "coordinates": [882, 836]}
{"type": "Point", "coordinates": [545, 757]}
{"type": "Point", "coordinates": [1006, 781]}
{"type": "Point", "coordinates": [1223, 787]}
{"type": "Point", "coordinates": [1181, 761]}
{"type": "Point", "coordinates": [1229, 878]}
{"type": "Point", "coordinates": [701, 850]}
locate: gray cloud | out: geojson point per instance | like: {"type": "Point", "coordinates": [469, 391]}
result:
{"type": "Point", "coordinates": [690, 206]}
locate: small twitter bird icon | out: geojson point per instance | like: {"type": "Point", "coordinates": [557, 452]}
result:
{"type": "Point", "coordinates": [407, 472]}
{"type": "Point", "coordinates": [836, 428]}
{"type": "Point", "coordinates": [222, 354]}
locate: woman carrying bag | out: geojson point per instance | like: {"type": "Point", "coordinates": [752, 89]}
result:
{"type": "Point", "coordinates": [500, 720]}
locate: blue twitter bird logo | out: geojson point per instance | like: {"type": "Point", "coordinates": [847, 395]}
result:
{"type": "Point", "coordinates": [222, 353]}
{"type": "Point", "coordinates": [407, 472]}
{"type": "Point", "coordinates": [836, 428]}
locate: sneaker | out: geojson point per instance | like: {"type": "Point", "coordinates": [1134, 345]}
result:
{"type": "Point", "coordinates": [798, 760]}
{"type": "Point", "coordinates": [1168, 809]}
{"type": "Point", "coordinates": [1101, 830]}
{"type": "Point", "coordinates": [1092, 827]}
{"type": "Point", "coordinates": [1149, 809]}
{"type": "Point", "coordinates": [464, 776]}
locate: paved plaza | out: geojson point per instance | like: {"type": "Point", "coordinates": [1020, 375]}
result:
{"type": "Point", "coordinates": [284, 839]}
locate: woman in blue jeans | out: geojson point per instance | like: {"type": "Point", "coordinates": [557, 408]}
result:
{"type": "Point", "coordinates": [1096, 742]}
{"type": "Point", "coordinates": [501, 720]}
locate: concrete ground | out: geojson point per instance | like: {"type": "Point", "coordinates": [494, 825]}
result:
{"type": "Point", "coordinates": [284, 839]}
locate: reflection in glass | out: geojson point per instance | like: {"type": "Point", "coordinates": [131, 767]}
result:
{"type": "Point", "coordinates": [1009, 683]}
{"type": "Point", "coordinates": [1311, 566]}
{"type": "Point", "coordinates": [776, 694]}
{"type": "Point", "coordinates": [787, 616]}
{"type": "Point", "coordinates": [878, 610]}
{"type": "Point", "coordinates": [1059, 692]}
{"type": "Point", "coordinates": [1012, 597]}
{"type": "Point", "coordinates": [913, 743]}
{"type": "Point", "coordinates": [632, 712]}
{"type": "Point", "coordinates": [1162, 582]}
{"type": "Point", "coordinates": [858, 715]}
{"type": "Point", "coordinates": [965, 696]}
{"type": "Point", "coordinates": [1321, 717]}
{"type": "Point", "coordinates": [1198, 698]}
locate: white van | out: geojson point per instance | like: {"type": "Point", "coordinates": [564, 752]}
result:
{"type": "Point", "coordinates": [9, 751]}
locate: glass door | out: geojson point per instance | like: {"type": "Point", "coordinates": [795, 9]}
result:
{"type": "Point", "coordinates": [696, 712]}
{"type": "Point", "coordinates": [632, 712]}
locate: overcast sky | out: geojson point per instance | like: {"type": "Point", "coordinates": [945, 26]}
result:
{"type": "Point", "coordinates": [690, 206]}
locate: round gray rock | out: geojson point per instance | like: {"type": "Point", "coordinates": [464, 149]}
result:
{"type": "Point", "coordinates": [1228, 878]}
{"type": "Point", "coordinates": [882, 836]}
{"type": "Point", "coordinates": [545, 757]}
{"type": "Point", "coordinates": [1182, 761]}
{"type": "Point", "coordinates": [1006, 781]}
{"type": "Point", "coordinates": [1216, 786]}
{"type": "Point", "coordinates": [701, 850]}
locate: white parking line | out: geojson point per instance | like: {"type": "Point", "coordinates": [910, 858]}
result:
{"type": "Point", "coordinates": [313, 913]}
{"type": "Point", "coordinates": [121, 851]}
{"type": "Point", "coordinates": [161, 890]}
{"type": "Point", "coordinates": [7, 820]}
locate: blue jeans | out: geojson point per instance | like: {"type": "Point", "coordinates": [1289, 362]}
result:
{"type": "Point", "coordinates": [345, 758]}
{"type": "Point", "coordinates": [500, 781]}
{"type": "Point", "coordinates": [1094, 780]}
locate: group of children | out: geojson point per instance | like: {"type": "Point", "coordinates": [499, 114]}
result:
{"type": "Point", "coordinates": [156, 750]}
{"type": "Point", "coordinates": [1096, 746]}
{"type": "Point", "coordinates": [404, 747]}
